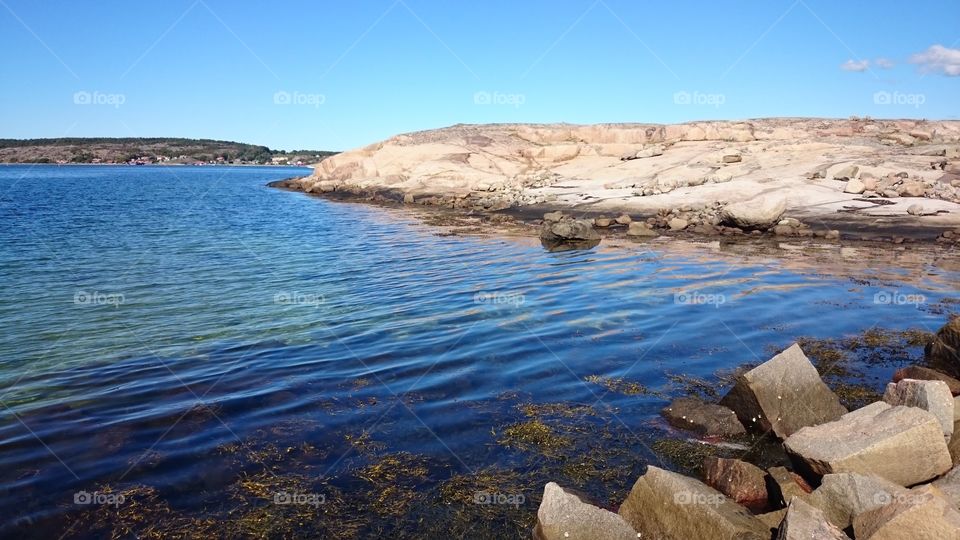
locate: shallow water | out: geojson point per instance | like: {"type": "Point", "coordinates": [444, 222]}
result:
{"type": "Point", "coordinates": [205, 343]}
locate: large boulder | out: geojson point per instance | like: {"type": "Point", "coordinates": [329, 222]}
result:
{"type": "Point", "coordinates": [943, 353]}
{"type": "Point", "coordinates": [704, 418]}
{"type": "Point", "coordinates": [563, 515]}
{"type": "Point", "coordinates": [921, 516]}
{"type": "Point", "coordinates": [842, 496]}
{"type": "Point", "coordinates": [569, 229]}
{"type": "Point", "coordinates": [902, 444]}
{"type": "Point", "coordinates": [760, 213]}
{"type": "Point", "coordinates": [664, 504]}
{"type": "Point", "coordinates": [949, 485]}
{"type": "Point", "coordinates": [931, 396]}
{"type": "Point", "coordinates": [783, 394]}
{"type": "Point", "coordinates": [641, 229]}
{"type": "Point", "coordinates": [743, 482]}
{"type": "Point", "coordinates": [805, 522]}
{"type": "Point", "coordinates": [927, 374]}
{"type": "Point", "coordinates": [785, 486]}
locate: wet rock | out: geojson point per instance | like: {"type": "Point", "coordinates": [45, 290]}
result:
{"type": "Point", "coordinates": [568, 230]}
{"type": "Point", "coordinates": [844, 495]}
{"type": "Point", "coordinates": [931, 396]}
{"type": "Point", "coordinates": [943, 353]}
{"type": "Point", "coordinates": [927, 374]}
{"type": "Point", "coordinates": [905, 445]}
{"type": "Point", "coordinates": [805, 522]}
{"type": "Point", "coordinates": [743, 482]}
{"type": "Point", "coordinates": [760, 213]}
{"type": "Point", "coordinates": [664, 504]}
{"type": "Point", "coordinates": [783, 394]}
{"type": "Point", "coordinates": [677, 224]}
{"type": "Point", "coordinates": [920, 516]}
{"type": "Point", "coordinates": [641, 229]}
{"type": "Point", "coordinates": [704, 418]}
{"type": "Point", "coordinates": [785, 485]}
{"type": "Point", "coordinates": [564, 514]}
{"type": "Point", "coordinates": [854, 186]}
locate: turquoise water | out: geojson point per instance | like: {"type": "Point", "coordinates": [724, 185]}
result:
{"type": "Point", "coordinates": [181, 332]}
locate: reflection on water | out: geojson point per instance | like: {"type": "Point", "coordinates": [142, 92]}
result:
{"type": "Point", "coordinates": [231, 359]}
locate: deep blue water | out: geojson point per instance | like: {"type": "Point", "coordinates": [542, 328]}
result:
{"type": "Point", "coordinates": [185, 329]}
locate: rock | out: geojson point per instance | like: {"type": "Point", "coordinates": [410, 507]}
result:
{"type": "Point", "coordinates": [832, 235]}
{"type": "Point", "coordinates": [927, 374]}
{"type": "Point", "coordinates": [602, 222]}
{"type": "Point", "coordinates": [890, 193]}
{"type": "Point", "coordinates": [915, 210]}
{"type": "Point", "coordinates": [704, 418]}
{"type": "Point", "coordinates": [639, 228]}
{"type": "Point", "coordinates": [931, 396]}
{"type": "Point", "coordinates": [920, 516]}
{"type": "Point", "coordinates": [805, 522]}
{"type": "Point", "coordinates": [949, 484]}
{"type": "Point", "coordinates": [741, 481]}
{"type": "Point", "coordinates": [847, 173]}
{"type": "Point", "coordinates": [653, 151]}
{"type": "Point", "coordinates": [408, 198]}
{"type": "Point", "coordinates": [905, 445]}
{"type": "Point", "coordinates": [760, 213]}
{"type": "Point", "coordinates": [943, 353]}
{"type": "Point", "coordinates": [854, 186]}
{"type": "Point", "coordinates": [783, 394]}
{"type": "Point", "coordinates": [568, 230]}
{"type": "Point", "coordinates": [785, 485]}
{"type": "Point", "coordinates": [677, 224]}
{"type": "Point", "coordinates": [553, 216]}
{"type": "Point", "coordinates": [624, 219]}
{"type": "Point", "coordinates": [664, 504]}
{"type": "Point", "coordinates": [912, 189]}
{"type": "Point", "coordinates": [773, 519]}
{"type": "Point", "coordinates": [732, 158]}
{"type": "Point", "coordinates": [563, 515]}
{"type": "Point", "coordinates": [783, 230]}
{"type": "Point", "coordinates": [844, 495]}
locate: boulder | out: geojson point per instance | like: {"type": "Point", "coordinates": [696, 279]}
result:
{"type": "Point", "coordinates": [678, 224]}
{"type": "Point", "coordinates": [927, 374]}
{"type": "Point", "coordinates": [743, 482]}
{"type": "Point", "coordinates": [915, 209]}
{"type": "Point", "coordinates": [785, 486]}
{"type": "Point", "coordinates": [602, 222]}
{"type": "Point", "coordinates": [931, 396]}
{"type": "Point", "coordinates": [564, 514]}
{"type": "Point", "coordinates": [854, 186]}
{"type": "Point", "coordinates": [639, 228]}
{"type": "Point", "coordinates": [773, 519]}
{"type": "Point", "coordinates": [704, 418]}
{"type": "Point", "coordinates": [408, 198]}
{"type": "Point", "coordinates": [569, 230]}
{"type": "Point", "coordinates": [949, 486]}
{"type": "Point", "coordinates": [624, 219]}
{"type": "Point", "coordinates": [553, 216]}
{"type": "Point", "coordinates": [912, 189]}
{"type": "Point", "coordinates": [847, 173]}
{"type": "Point", "coordinates": [783, 394]}
{"type": "Point", "coordinates": [760, 213]}
{"type": "Point", "coordinates": [842, 496]}
{"type": "Point", "coordinates": [943, 353]}
{"type": "Point", "coordinates": [805, 522]}
{"type": "Point", "coordinates": [664, 504]}
{"type": "Point", "coordinates": [653, 151]}
{"type": "Point", "coordinates": [905, 445]}
{"type": "Point", "coordinates": [921, 516]}
{"type": "Point", "coordinates": [732, 158]}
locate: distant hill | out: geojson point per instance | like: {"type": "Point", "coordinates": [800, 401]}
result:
{"type": "Point", "coordinates": [149, 150]}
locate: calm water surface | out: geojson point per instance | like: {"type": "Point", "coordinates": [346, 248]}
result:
{"type": "Point", "coordinates": [185, 349]}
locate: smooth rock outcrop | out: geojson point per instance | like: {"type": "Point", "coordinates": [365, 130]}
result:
{"type": "Point", "coordinates": [927, 374]}
{"type": "Point", "coordinates": [565, 515]}
{"type": "Point", "coordinates": [905, 445]}
{"type": "Point", "coordinates": [921, 516]}
{"type": "Point", "coordinates": [805, 522]}
{"type": "Point", "coordinates": [784, 394]}
{"type": "Point", "coordinates": [842, 496]}
{"type": "Point", "coordinates": [760, 213]}
{"type": "Point", "coordinates": [743, 482]}
{"type": "Point", "coordinates": [667, 505]}
{"type": "Point", "coordinates": [704, 418]}
{"type": "Point", "coordinates": [931, 396]}
{"type": "Point", "coordinates": [943, 353]}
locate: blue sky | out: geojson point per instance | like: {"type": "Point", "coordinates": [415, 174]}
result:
{"type": "Point", "coordinates": [335, 75]}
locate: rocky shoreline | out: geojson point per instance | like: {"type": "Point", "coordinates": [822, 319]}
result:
{"type": "Point", "coordinates": [884, 471]}
{"type": "Point", "coordinates": [894, 180]}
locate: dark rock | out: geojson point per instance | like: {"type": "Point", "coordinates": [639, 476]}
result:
{"type": "Point", "coordinates": [943, 353]}
{"type": "Point", "coordinates": [741, 481]}
{"type": "Point", "coordinates": [927, 374]}
{"type": "Point", "coordinates": [703, 418]}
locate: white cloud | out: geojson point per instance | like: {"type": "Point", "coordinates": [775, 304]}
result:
{"type": "Point", "coordinates": [858, 65]}
{"type": "Point", "coordinates": [884, 63]}
{"type": "Point", "coordinates": [938, 59]}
